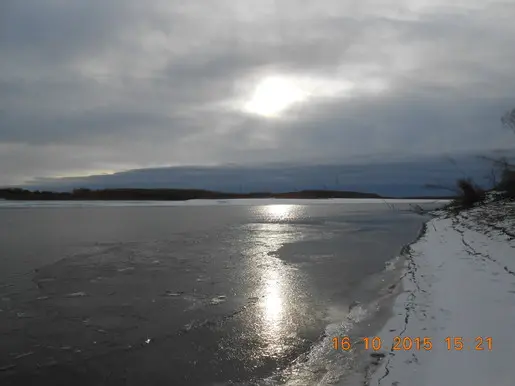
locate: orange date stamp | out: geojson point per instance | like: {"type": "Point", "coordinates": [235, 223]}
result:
{"type": "Point", "coordinates": [419, 343]}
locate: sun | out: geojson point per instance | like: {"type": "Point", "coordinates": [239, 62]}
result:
{"type": "Point", "coordinates": [273, 95]}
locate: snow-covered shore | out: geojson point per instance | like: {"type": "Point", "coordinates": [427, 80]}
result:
{"type": "Point", "coordinates": [459, 283]}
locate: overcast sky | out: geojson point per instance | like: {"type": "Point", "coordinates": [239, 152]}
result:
{"type": "Point", "coordinates": [97, 86]}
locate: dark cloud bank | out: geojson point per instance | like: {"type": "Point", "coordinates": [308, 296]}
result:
{"type": "Point", "coordinates": [400, 178]}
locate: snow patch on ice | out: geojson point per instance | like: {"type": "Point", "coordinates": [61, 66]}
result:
{"type": "Point", "coordinates": [76, 295]}
{"type": "Point", "coordinates": [218, 300]}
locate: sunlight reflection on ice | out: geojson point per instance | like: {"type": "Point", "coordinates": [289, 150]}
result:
{"type": "Point", "coordinates": [273, 304]}
{"type": "Point", "coordinates": [276, 285]}
{"type": "Point", "coordinates": [281, 212]}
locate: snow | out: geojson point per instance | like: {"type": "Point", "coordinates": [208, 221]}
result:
{"type": "Point", "coordinates": [459, 282]}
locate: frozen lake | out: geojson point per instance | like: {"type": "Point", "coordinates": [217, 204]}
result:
{"type": "Point", "coordinates": [190, 293]}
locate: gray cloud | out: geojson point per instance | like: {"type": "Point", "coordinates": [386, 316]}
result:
{"type": "Point", "coordinates": [401, 177]}
{"type": "Point", "coordinates": [87, 86]}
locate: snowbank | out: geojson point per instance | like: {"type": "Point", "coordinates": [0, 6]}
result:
{"type": "Point", "coordinates": [459, 283]}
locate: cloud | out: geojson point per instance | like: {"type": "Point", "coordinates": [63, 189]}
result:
{"type": "Point", "coordinates": [161, 83]}
{"type": "Point", "coordinates": [399, 177]}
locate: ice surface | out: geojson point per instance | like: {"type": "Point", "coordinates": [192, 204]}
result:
{"type": "Point", "coordinates": [242, 201]}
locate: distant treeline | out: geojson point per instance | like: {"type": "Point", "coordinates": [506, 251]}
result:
{"type": "Point", "coordinates": [168, 194]}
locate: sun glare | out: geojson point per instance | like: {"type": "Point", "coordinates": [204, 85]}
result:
{"type": "Point", "coordinates": [279, 211]}
{"type": "Point", "coordinates": [273, 95]}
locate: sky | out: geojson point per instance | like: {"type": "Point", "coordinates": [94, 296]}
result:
{"type": "Point", "coordinates": [93, 87]}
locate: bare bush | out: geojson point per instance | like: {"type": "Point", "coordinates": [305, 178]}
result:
{"type": "Point", "coordinates": [470, 193]}
{"type": "Point", "coordinates": [508, 119]}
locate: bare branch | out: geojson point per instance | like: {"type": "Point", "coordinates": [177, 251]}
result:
{"type": "Point", "coordinates": [453, 162]}
{"type": "Point", "coordinates": [442, 187]}
{"type": "Point", "coordinates": [508, 119]}
{"type": "Point", "coordinates": [389, 205]}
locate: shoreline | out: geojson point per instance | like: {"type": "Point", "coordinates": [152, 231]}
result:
{"type": "Point", "coordinates": [147, 194]}
{"type": "Point", "coordinates": [459, 281]}
{"type": "Point", "coordinates": [362, 319]}
{"type": "Point", "coordinates": [367, 359]}
{"type": "Point", "coordinates": [15, 204]}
